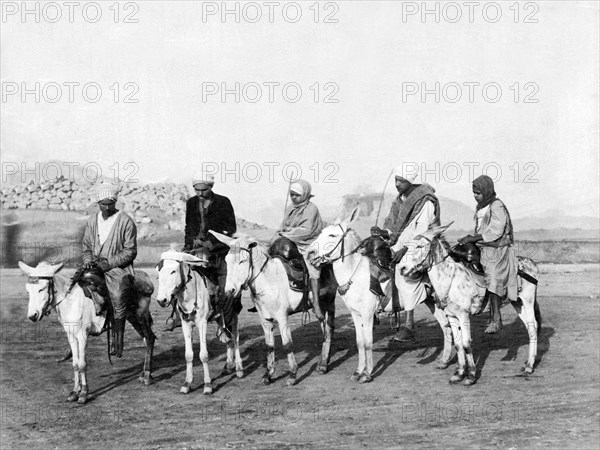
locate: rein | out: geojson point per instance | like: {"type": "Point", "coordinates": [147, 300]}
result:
{"type": "Point", "coordinates": [51, 303]}
{"type": "Point", "coordinates": [251, 276]}
{"type": "Point", "coordinates": [327, 255]}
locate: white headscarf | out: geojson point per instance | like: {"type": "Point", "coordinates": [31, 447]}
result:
{"type": "Point", "coordinates": [408, 172]}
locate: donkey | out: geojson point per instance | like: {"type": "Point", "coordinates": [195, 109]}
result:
{"type": "Point", "coordinates": [464, 292]}
{"type": "Point", "coordinates": [178, 282]}
{"type": "Point", "coordinates": [338, 243]}
{"type": "Point", "coordinates": [250, 266]}
{"type": "Point", "coordinates": [49, 290]}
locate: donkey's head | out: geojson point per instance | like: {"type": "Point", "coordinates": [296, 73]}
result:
{"type": "Point", "coordinates": [244, 260]}
{"type": "Point", "coordinates": [173, 270]}
{"type": "Point", "coordinates": [40, 287]}
{"type": "Point", "coordinates": [421, 254]}
{"type": "Point", "coordinates": [329, 244]}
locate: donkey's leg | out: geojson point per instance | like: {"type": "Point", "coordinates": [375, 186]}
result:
{"type": "Point", "coordinates": [465, 325]}
{"type": "Point", "coordinates": [460, 373]}
{"type": "Point", "coordinates": [234, 359]}
{"type": "Point", "coordinates": [186, 327]}
{"type": "Point", "coordinates": [288, 347]}
{"type": "Point", "coordinates": [74, 394]}
{"type": "Point", "coordinates": [82, 344]}
{"type": "Point", "coordinates": [141, 321]}
{"type": "Point", "coordinates": [446, 357]}
{"type": "Point", "coordinates": [270, 347]}
{"type": "Point", "coordinates": [202, 324]}
{"type": "Point", "coordinates": [328, 328]}
{"type": "Point", "coordinates": [360, 344]}
{"type": "Point", "coordinates": [239, 367]}
{"type": "Point", "coordinates": [368, 349]}
{"type": "Point", "coordinates": [525, 307]}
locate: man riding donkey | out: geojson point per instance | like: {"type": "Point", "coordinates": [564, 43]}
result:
{"type": "Point", "coordinates": [302, 224]}
{"type": "Point", "coordinates": [414, 210]}
{"type": "Point", "coordinates": [109, 248]}
{"type": "Point", "coordinates": [209, 211]}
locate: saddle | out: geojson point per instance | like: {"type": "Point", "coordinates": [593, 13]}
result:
{"type": "Point", "coordinates": [287, 252]}
{"type": "Point", "coordinates": [469, 255]}
{"type": "Point", "coordinates": [295, 267]}
{"type": "Point", "coordinates": [380, 263]}
{"type": "Point", "coordinates": [93, 283]}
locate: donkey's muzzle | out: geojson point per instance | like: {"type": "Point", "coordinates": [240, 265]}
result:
{"type": "Point", "coordinates": [33, 317]}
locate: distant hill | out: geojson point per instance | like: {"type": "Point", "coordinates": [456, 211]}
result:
{"type": "Point", "coordinates": [556, 221]}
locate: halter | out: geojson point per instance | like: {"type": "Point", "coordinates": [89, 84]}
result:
{"type": "Point", "coordinates": [429, 261]}
{"type": "Point", "coordinates": [327, 255]}
{"type": "Point", "coordinates": [51, 303]}
{"type": "Point", "coordinates": [183, 281]}
{"type": "Point", "coordinates": [252, 277]}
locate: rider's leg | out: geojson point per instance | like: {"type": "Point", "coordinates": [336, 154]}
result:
{"type": "Point", "coordinates": [495, 324]}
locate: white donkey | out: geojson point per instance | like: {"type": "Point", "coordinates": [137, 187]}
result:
{"type": "Point", "coordinates": [250, 266]}
{"type": "Point", "coordinates": [337, 244]}
{"type": "Point", "coordinates": [48, 290]}
{"type": "Point", "coordinates": [463, 291]}
{"type": "Point", "coordinates": [177, 282]}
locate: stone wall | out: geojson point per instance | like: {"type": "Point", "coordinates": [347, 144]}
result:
{"type": "Point", "coordinates": [69, 195]}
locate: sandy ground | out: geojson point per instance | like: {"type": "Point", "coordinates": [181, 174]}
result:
{"type": "Point", "coordinates": [409, 404]}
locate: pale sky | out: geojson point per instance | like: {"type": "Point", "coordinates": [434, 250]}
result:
{"type": "Point", "coordinates": [376, 52]}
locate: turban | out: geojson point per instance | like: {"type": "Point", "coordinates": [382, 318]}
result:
{"type": "Point", "coordinates": [407, 171]}
{"type": "Point", "coordinates": [107, 192]}
{"type": "Point", "coordinates": [204, 178]}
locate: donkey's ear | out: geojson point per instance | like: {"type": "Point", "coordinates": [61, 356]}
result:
{"type": "Point", "coordinates": [440, 229]}
{"type": "Point", "coordinates": [57, 267]}
{"type": "Point", "coordinates": [224, 239]}
{"type": "Point", "coordinates": [353, 216]}
{"type": "Point", "coordinates": [25, 268]}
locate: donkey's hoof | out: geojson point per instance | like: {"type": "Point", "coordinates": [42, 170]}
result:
{"type": "Point", "coordinates": [208, 389]}
{"type": "Point", "coordinates": [148, 379]}
{"type": "Point", "coordinates": [185, 389]}
{"type": "Point", "coordinates": [239, 374]}
{"type": "Point", "coordinates": [441, 365]}
{"type": "Point", "coordinates": [228, 370]}
{"type": "Point", "coordinates": [457, 377]}
{"type": "Point", "coordinates": [265, 381]}
{"type": "Point", "coordinates": [355, 376]}
{"type": "Point", "coordinates": [321, 369]}
{"type": "Point", "coordinates": [82, 400]}
{"type": "Point", "coordinates": [73, 396]}
{"type": "Point", "coordinates": [366, 378]}
{"type": "Point", "coordinates": [291, 379]}
{"type": "Point", "coordinates": [527, 369]}
{"type": "Point", "coordinates": [470, 380]}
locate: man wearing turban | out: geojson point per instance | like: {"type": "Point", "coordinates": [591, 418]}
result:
{"type": "Point", "coordinates": [110, 243]}
{"type": "Point", "coordinates": [414, 210]}
{"type": "Point", "coordinates": [208, 211]}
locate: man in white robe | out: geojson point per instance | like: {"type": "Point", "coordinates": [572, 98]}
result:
{"type": "Point", "coordinates": [415, 210]}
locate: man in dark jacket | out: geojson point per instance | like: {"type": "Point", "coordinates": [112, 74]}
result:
{"type": "Point", "coordinates": [208, 211]}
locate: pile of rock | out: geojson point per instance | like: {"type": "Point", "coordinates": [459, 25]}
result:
{"type": "Point", "coordinates": [67, 195]}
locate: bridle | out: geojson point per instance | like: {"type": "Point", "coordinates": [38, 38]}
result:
{"type": "Point", "coordinates": [326, 258]}
{"type": "Point", "coordinates": [429, 261]}
{"type": "Point", "coordinates": [251, 275]}
{"type": "Point", "coordinates": [51, 303]}
{"type": "Point", "coordinates": [183, 280]}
